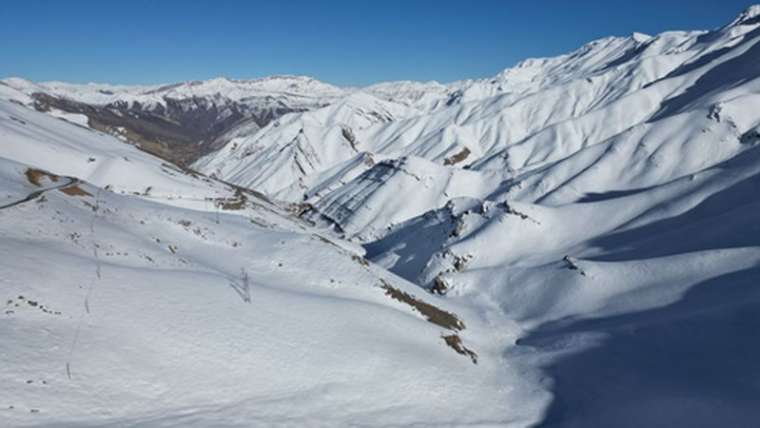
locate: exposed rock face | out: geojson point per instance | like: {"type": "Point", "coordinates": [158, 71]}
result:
{"type": "Point", "coordinates": [180, 130]}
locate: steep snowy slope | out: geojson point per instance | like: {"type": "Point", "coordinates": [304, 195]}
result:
{"type": "Point", "coordinates": [603, 201]}
{"type": "Point", "coordinates": [56, 145]}
{"type": "Point", "coordinates": [580, 179]}
{"type": "Point", "coordinates": [367, 206]}
{"type": "Point", "coordinates": [663, 106]}
{"type": "Point", "coordinates": [630, 261]}
{"type": "Point", "coordinates": [574, 242]}
{"type": "Point", "coordinates": [125, 309]}
{"type": "Point", "coordinates": [485, 121]}
{"type": "Point", "coordinates": [656, 289]}
{"type": "Point", "coordinates": [288, 150]}
{"type": "Point", "coordinates": [539, 112]}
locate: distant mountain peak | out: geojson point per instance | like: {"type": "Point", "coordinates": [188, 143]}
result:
{"type": "Point", "coordinates": [640, 37]}
{"type": "Point", "coordinates": [750, 16]}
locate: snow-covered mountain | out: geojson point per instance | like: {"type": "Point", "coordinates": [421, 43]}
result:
{"type": "Point", "coordinates": [530, 120]}
{"type": "Point", "coordinates": [135, 290]}
{"type": "Point", "coordinates": [572, 242]}
{"type": "Point", "coordinates": [603, 200]}
{"type": "Point", "coordinates": [296, 90]}
{"type": "Point", "coordinates": [183, 121]}
{"type": "Point", "coordinates": [488, 123]}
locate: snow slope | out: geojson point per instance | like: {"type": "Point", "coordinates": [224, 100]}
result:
{"type": "Point", "coordinates": [573, 242]}
{"type": "Point", "coordinates": [601, 200]}
{"type": "Point", "coordinates": [158, 312]}
{"type": "Point", "coordinates": [537, 113]}
{"type": "Point", "coordinates": [55, 145]}
{"type": "Point", "coordinates": [289, 149]}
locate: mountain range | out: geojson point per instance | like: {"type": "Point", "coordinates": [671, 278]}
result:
{"type": "Point", "coordinates": [574, 241]}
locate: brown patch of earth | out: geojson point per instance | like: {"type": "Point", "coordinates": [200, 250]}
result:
{"type": "Point", "coordinates": [74, 190]}
{"type": "Point", "coordinates": [455, 343]}
{"type": "Point", "coordinates": [458, 157]}
{"type": "Point", "coordinates": [34, 176]}
{"type": "Point", "coordinates": [433, 314]}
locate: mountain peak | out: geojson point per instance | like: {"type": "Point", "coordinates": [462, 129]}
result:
{"type": "Point", "coordinates": [17, 82]}
{"type": "Point", "coordinates": [640, 37]}
{"type": "Point", "coordinates": [750, 16]}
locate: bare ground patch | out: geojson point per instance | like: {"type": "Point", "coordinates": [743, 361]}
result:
{"type": "Point", "coordinates": [433, 314]}
{"type": "Point", "coordinates": [34, 176]}
{"type": "Point", "coordinates": [436, 316]}
{"type": "Point", "coordinates": [75, 190]}
{"type": "Point", "coordinates": [455, 342]}
{"type": "Point", "coordinates": [457, 157]}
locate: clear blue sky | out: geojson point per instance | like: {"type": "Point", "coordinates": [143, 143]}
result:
{"type": "Point", "coordinates": [342, 42]}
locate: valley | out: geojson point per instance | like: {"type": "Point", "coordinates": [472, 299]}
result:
{"type": "Point", "coordinates": [574, 241]}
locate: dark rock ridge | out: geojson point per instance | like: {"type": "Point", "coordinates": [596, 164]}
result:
{"type": "Point", "coordinates": [181, 130]}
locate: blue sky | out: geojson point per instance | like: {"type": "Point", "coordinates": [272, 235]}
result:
{"type": "Point", "coordinates": [342, 42]}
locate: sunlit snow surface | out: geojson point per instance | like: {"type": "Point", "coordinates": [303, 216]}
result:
{"type": "Point", "coordinates": [592, 219]}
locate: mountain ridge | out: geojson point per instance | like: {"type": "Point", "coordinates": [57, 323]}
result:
{"type": "Point", "coordinates": [572, 242]}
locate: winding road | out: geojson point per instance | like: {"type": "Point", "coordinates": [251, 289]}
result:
{"type": "Point", "coordinates": [37, 193]}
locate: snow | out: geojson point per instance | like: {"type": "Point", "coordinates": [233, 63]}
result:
{"type": "Point", "coordinates": [294, 146]}
{"type": "Point", "coordinates": [591, 218]}
{"type": "Point", "coordinates": [292, 90]}
{"type": "Point", "coordinates": [54, 145]}
{"type": "Point", "coordinates": [748, 17]}
{"type": "Point", "coordinates": [600, 187]}
{"type": "Point", "coordinates": [149, 319]}
{"type": "Point", "coordinates": [79, 119]}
